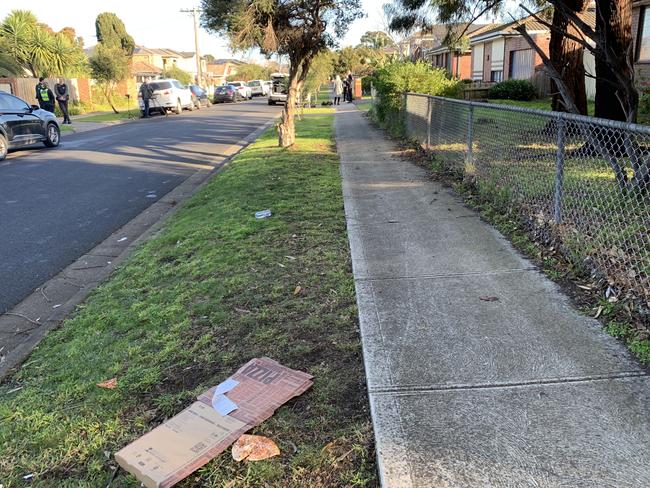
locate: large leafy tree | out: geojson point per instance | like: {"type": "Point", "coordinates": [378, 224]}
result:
{"type": "Point", "coordinates": [37, 49]}
{"type": "Point", "coordinates": [376, 40]}
{"type": "Point", "coordinates": [297, 29]}
{"type": "Point", "coordinates": [112, 33]}
{"type": "Point", "coordinates": [111, 61]}
{"type": "Point", "coordinates": [251, 71]}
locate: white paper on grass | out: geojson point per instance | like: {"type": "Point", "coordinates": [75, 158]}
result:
{"type": "Point", "coordinates": [220, 402]}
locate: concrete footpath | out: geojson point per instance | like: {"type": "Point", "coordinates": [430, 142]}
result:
{"type": "Point", "coordinates": [520, 391]}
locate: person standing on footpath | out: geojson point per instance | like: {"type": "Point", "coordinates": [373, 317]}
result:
{"type": "Point", "coordinates": [44, 96]}
{"type": "Point", "coordinates": [350, 81]}
{"type": "Point", "coordinates": [146, 93]}
{"type": "Point", "coordinates": [338, 90]}
{"type": "Point", "coordinates": [62, 96]}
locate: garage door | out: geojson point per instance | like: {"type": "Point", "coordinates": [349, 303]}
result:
{"type": "Point", "coordinates": [522, 64]}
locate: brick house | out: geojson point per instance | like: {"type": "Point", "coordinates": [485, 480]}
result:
{"type": "Point", "coordinates": [458, 62]}
{"type": "Point", "coordinates": [503, 54]}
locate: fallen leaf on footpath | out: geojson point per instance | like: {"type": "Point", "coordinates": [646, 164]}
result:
{"type": "Point", "coordinates": [489, 299]}
{"type": "Point", "coordinates": [254, 448]}
{"type": "Point", "coordinates": [108, 384]}
{"type": "Point", "coordinates": [297, 290]}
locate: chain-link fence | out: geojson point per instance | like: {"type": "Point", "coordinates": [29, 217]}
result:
{"type": "Point", "coordinates": [583, 181]}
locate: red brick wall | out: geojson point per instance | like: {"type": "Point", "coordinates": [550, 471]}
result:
{"type": "Point", "coordinates": [465, 69]}
{"type": "Point", "coordinates": [487, 61]}
{"type": "Point", "coordinates": [517, 43]}
{"type": "Point", "coordinates": [83, 85]}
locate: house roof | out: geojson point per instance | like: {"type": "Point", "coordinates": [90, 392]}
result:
{"type": "Point", "coordinates": [471, 32]}
{"type": "Point", "coordinates": [164, 52]}
{"type": "Point", "coordinates": [143, 68]}
{"type": "Point", "coordinates": [532, 25]}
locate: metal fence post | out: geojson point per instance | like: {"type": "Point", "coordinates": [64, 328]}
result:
{"type": "Point", "coordinates": [470, 134]}
{"type": "Point", "coordinates": [429, 123]}
{"type": "Point", "coordinates": [559, 169]}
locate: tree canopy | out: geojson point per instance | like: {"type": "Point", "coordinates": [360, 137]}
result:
{"type": "Point", "coordinates": [179, 74]}
{"type": "Point", "coordinates": [250, 71]}
{"type": "Point", "coordinates": [297, 29]}
{"type": "Point", "coordinates": [376, 40]}
{"type": "Point", "coordinates": [37, 49]}
{"type": "Point", "coordinates": [111, 33]}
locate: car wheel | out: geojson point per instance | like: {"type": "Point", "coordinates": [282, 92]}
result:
{"type": "Point", "coordinates": [3, 147]}
{"type": "Point", "coordinates": [53, 135]}
{"type": "Point", "coordinates": [271, 102]}
{"type": "Point", "coordinates": [179, 107]}
{"type": "Point", "coordinates": [208, 103]}
{"type": "Point", "coordinates": [191, 107]}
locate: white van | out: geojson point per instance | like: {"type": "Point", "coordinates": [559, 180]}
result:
{"type": "Point", "coordinates": [259, 88]}
{"type": "Point", "coordinates": [279, 88]}
{"type": "Point", "coordinates": [168, 94]}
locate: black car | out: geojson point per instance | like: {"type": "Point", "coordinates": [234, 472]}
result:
{"type": "Point", "coordinates": [227, 93]}
{"type": "Point", "coordinates": [199, 96]}
{"type": "Point", "coordinates": [22, 124]}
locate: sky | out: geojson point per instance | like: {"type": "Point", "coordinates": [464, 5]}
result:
{"type": "Point", "coordinates": [156, 24]}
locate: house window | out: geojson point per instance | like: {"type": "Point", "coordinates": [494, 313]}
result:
{"type": "Point", "coordinates": [643, 37]}
{"type": "Point", "coordinates": [496, 76]}
{"type": "Point", "coordinates": [522, 64]}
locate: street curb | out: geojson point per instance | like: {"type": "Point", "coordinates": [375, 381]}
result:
{"type": "Point", "coordinates": [51, 303]}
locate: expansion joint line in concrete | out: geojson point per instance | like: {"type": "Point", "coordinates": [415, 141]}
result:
{"type": "Point", "coordinates": [447, 275]}
{"type": "Point", "coordinates": [406, 390]}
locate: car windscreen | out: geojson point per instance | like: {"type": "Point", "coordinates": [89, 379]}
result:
{"type": "Point", "coordinates": [223, 89]}
{"type": "Point", "coordinates": [254, 83]}
{"type": "Point", "coordinates": [10, 103]}
{"type": "Point", "coordinates": [236, 83]}
{"type": "Point", "coordinates": [160, 85]}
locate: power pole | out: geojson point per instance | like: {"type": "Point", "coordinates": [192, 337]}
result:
{"type": "Point", "coordinates": [195, 12]}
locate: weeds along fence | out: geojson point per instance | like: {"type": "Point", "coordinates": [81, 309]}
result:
{"type": "Point", "coordinates": [582, 182]}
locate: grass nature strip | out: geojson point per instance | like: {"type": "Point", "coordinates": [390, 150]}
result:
{"type": "Point", "coordinates": [215, 288]}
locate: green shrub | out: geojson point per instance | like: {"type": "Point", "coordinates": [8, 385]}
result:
{"type": "Point", "coordinates": [366, 83]}
{"type": "Point", "coordinates": [513, 90]}
{"type": "Point", "coordinates": [399, 77]}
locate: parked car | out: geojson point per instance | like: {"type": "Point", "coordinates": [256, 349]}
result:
{"type": "Point", "coordinates": [199, 96]}
{"type": "Point", "coordinates": [22, 124]}
{"type": "Point", "coordinates": [278, 92]}
{"type": "Point", "coordinates": [259, 88]}
{"type": "Point", "coordinates": [168, 94]}
{"type": "Point", "coordinates": [243, 88]}
{"type": "Point", "coordinates": [227, 93]}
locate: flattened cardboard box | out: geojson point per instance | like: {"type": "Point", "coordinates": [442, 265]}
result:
{"type": "Point", "coordinates": [180, 446]}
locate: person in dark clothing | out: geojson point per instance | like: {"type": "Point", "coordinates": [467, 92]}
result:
{"type": "Point", "coordinates": [44, 96]}
{"type": "Point", "coordinates": [346, 89]}
{"type": "Point", "coordinates": [350, 81]}
{"type": "Point", "coordinates": [146, 93]}
{"type": "Point", "coordinates": [62, 97]}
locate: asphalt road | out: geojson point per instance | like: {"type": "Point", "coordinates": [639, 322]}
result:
{"type": "Point", "coordinates": [57, 204]}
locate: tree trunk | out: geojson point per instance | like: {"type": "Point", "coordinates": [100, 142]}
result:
{"type": "Point", "coordinates": [567, 58]}
{"type": "Point", "coordinates": [615, 100]}
{"type": "Point", "coordinates": [108, 93]}
{"type": "Point", "coordinates": [287, 128]}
